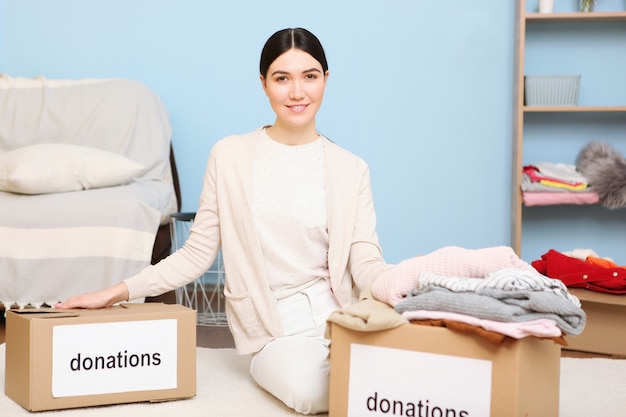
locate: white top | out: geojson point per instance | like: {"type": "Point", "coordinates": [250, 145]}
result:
{"type": "Point", "coordinates": [289, 208]}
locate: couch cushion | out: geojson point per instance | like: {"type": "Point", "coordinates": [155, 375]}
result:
{"type": "Point", "coordinates": [116, 115]}
{"type": "Point", "coordinates": [55, 167]}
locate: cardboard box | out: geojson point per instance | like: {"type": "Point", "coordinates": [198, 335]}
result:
{"type": "Point", "coordinates": [57, 359]}
{"type": "Point", "coordinates": [433, 371]}
{"type": "Point", "coordinates": [605, 330]}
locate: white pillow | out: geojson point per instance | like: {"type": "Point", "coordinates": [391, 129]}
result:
{"type": "Point", "coordinates": [59, 167]}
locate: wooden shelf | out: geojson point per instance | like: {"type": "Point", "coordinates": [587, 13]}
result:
{"type": "Point", "coordinates": [526, 21]}
{"type": "Point", "coordinates": [598, 297]}
{"type": "Point", "coordinates": [574, 109]}
{"type": "Point", "coordinates": [576, 17]}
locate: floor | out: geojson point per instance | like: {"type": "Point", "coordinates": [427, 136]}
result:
{"type": "Point", "coordinates": [206, 336]}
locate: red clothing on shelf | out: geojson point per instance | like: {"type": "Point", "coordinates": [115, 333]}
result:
{"type": "Point", "coordinates": [576, 273]}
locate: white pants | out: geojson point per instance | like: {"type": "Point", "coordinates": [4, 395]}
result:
{"type": "Point", "coordinates": [295, 368]}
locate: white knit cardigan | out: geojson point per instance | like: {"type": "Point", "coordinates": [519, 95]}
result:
{"type": "Point", "coordinates": [224, 219]}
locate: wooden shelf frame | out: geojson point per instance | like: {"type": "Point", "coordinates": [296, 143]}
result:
{"type": "Point", "coordinates": [601, 17]}
{"type": "Point", "coordinates": [574, 109]}
{"type": "Point", "coordinates": [524, 19]}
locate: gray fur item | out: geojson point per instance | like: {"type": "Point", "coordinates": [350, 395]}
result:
{"type": "Point", "coordinates": [605, 170]}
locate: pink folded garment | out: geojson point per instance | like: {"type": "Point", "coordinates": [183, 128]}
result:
{"type": "Point", "coordinates": [452, 261]}
{"type": "Point", "coordinates": [540, 327]}
{"type": "Point", "coordinates": [556, 198]}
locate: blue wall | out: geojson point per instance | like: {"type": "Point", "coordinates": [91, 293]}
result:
{"type": "Point", "coordinates": [422, 90]}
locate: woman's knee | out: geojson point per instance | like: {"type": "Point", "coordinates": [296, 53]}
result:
{"type": "Point", "coordinates": [296, 372]}
{"type": "Point", "coordinates": [309, 390]}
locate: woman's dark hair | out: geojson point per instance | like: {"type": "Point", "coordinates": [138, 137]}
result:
{"type": "Point", "coordinates": [286, 39]}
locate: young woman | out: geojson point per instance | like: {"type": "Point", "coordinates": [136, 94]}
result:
{"type": "Point", "coordinates": [294, 217]}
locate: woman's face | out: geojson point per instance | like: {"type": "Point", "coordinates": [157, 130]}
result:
{"type": "Point", "coordinates": [295, 86]}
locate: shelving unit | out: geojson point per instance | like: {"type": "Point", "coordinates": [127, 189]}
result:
{"type": "Point", "coordinates": [526, 21]}
{"type": "Point", "coordinates": [535, 126]}
{"type": "Point", "coordinates": [572, 17]}
{"type": "Point", "coordinates": [574, 109]}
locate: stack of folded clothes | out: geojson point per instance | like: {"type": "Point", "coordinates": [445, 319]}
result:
{"type": "Point", "coordinates": [490, 289]}
{"type": "Point", "coordinates": [549, 183]}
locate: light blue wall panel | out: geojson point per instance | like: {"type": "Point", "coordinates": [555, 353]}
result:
{"type": "Point", "coordinates": [421, 90]}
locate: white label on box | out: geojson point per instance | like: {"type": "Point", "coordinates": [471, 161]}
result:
{"type": "Point", "coordinates": [106, 358]}
{"type": "Point", "coordinates": [398, 382]}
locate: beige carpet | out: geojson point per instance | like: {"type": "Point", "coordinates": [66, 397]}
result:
{"type": "Point", "coordinates": [589, 387]}
{"type": "Point", "coordinates": [224, 389]}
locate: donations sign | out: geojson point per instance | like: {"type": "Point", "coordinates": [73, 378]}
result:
{"type": "Point", "coordinates": [106, 358]}
{"type": "Point", "coordinates": [398, 382]}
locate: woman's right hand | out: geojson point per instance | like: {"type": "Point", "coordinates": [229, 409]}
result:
{"type": "Point", "coordinates": [97, 299]}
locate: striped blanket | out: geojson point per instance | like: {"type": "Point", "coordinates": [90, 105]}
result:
{"type": "Point", "coordinates": [53, 245]}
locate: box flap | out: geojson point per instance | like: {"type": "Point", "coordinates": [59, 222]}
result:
{"type": "Point", "coordinates": [45, 313]}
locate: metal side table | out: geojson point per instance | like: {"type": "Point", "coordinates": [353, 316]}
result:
{"type": "Point", "coordinates": [205, 294]}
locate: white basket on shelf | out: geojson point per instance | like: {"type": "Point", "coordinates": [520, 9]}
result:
{"type": "Point", "coordinates": [551, 90]}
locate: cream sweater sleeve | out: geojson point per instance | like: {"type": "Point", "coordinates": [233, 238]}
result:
{"type": "Point", "coordinates": [194, 258]}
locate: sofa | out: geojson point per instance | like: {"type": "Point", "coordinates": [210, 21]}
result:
{"type": "Point", "coordinates": [87, 185]}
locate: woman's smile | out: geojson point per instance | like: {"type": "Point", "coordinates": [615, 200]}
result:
{"type": "Point", "coordinates": [298, 108]}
